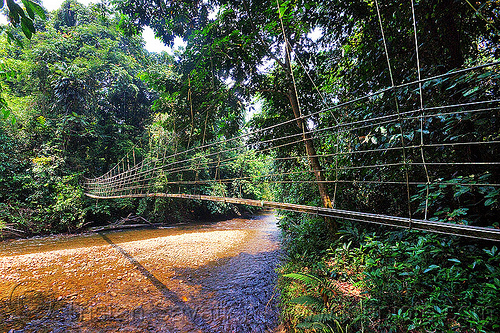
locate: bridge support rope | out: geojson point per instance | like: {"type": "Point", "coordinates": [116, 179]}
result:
{"type": "Point", "coordinates": [483, 233]}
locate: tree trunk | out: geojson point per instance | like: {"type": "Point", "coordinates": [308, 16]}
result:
{"type": "Point", "coordinates": [308, 142]}
{"type": "Point", "coordinates": [311, 151]}
{"type": "Point", "coordinates": [313, 160]}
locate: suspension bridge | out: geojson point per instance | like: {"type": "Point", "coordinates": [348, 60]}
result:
{"type": "Point", "coordinates": [381, 142]}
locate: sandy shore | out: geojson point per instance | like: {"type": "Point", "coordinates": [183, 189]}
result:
{"type": "Point", "coordinates": [101, 288]}
{"type": "Point", "coordinates": [191, 249]}
{"type": "Point", "coordinates": [117, 276]}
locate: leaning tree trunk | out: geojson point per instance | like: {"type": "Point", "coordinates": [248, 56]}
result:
{"type": "Point", "coordinates": [310, 151]}
{"type": "Point", "coordinates": [313, 159]}
{"type": "Point", "coordinates": [306, 136]}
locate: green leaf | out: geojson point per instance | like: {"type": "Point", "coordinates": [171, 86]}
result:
{"type": "Point", "coordinates": [37, 9]}
{"type": "Point", "coordinates": [430, 268]}
{"type": "Point", "coordinates": [490, 268]}
{"type": "Point", "coordinates": [455, 260]}
{"type": "Point", "coordinates": [307, 301]}
{"type": "Point", "coordinates": [471, 91]}
{"type": "Point", "coordinates": [5, 113]}
{"type": "Point", "coordinates": [29, 10]}
{"type": "Point", "coordinates": [490, 202]}
{"type": "Point", "coordinates": [458, 212]}
{"type": "Point", "coordinates": [313, 325]}
{"type": "Point", "coordinates": [41, 120]}
{"type": "Point", "coordinates": [310, 281]}
{"type": "Point", "coordinates": [15, 11]}
{"type": "Point", "coordinates": [491, 252]}
{"type": "Point", "coordinates": [322, 318]}
{"type": "Point", "coordinates": [27, 27]}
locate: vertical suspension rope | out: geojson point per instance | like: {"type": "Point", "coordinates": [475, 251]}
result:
{"type": "Point", "coordinates": [217, 170]}
{"type": "Point", "coordinates": [205, 128]}
{"type": "Point", "coordinates": [190, 98]}
{"type": "Point", "coordinates": [422, 112]}
{"type": "Point", "coordinates": [334, 118]}
{"type": "Point", "coordinates": [128, 173]}
{"type": "Point", "coordinates": [122, 183]}
{"type": "Point", "coordinates": [289, 59]}
{"type": "Point", "coordinates": [396, 102]}
{"type": "Point", "coordinates": [337, 154]}
{"type": "Point", "coordinates": [134, 182]}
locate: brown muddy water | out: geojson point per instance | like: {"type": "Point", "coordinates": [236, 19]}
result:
{"type": "Point", "coordinates": [202, 278]}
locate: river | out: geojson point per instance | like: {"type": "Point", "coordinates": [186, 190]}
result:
{"type": "Point", "coordinates": [214, 277]}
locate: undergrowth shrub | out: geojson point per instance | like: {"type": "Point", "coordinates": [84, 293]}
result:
{"type": "Point", "coordinates": [394, 281]}
{"type": "Point", "coordinates": [425, 282]}
{"type": "Point", "coordinates": [304, 235]}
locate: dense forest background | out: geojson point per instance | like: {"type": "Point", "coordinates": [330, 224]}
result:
{"type": "Point", "coordinates": [79, 95]}
{"type": "Point", "coordinates": [78, 105]}
{"type": "Point", "coordinates": [82, 92]}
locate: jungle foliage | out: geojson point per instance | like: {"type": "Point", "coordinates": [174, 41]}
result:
{"type": "Point", "coordinates": [79, 105]}
{"type": "Point", "coordinates": [405, 280]}
{"type": "Point", "coordinates": [81, 94]}
{"type": "Point", "coordinates": [84, 92]}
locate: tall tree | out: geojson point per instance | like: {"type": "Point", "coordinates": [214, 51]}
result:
{"type": "Point", "coordinates": [80, 106]}
{"type": "Point", "coordinates": [23, 17]}
{"type": "Point", "coordinates": [243, 38]}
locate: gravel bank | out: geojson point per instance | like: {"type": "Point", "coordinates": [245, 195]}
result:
{"type": "Point", "coordinates": [161, 284]}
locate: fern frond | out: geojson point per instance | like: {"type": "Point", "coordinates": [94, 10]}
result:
{"type": "Point", "coordinates": [312, 325]}
{"type": "Point", "coordinates": [322, 318]}
{"type": "Point", "coordinates": [310, 281]}
{"type": "Point", "coordinates": [308, 301]}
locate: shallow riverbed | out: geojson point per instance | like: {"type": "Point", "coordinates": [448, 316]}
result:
{"type": "Point", "coordinates": [206, 278]}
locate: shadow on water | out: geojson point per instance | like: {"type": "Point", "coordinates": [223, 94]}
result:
{"type": "Point", "coordinates": [237, 294]}
{"type": "Point", "coordinates": [28, 309]}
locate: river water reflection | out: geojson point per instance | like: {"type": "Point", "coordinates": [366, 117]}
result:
{"type": "Point", "coordinates": [215, 277]}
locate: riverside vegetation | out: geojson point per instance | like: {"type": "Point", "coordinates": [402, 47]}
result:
{"type": "Point", "coordinates": [84, 91]}
{"type": "Point", "coordinates": [78, 96]}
